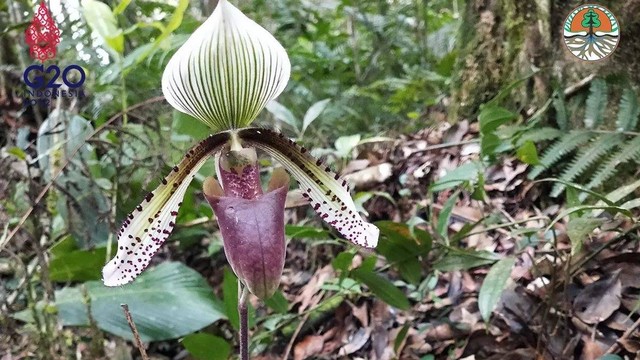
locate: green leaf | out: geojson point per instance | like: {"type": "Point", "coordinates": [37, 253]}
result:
{"type": "Point", "coordinates": [493, 285]}
{"type": "Point", "coordinates": [400, 337]}
{"type": "Point", "coordinates": [206, 347]}
{"type": "Point", "coordinates": [78, 265]}
{"type": "Point", "coordinates": [345, 144]}
{"type": "Point", "coordinates": [467, 172]}
{"type": "Point", "coordinates": [491, 117]}
{"type": "Point", "coordinates": [404, 248]}
{"type": "Point", "coordinates": [230, 297]}
{"type": "Point", "coordinates": [445, 214]}
{"type": "Point", "coordinates": [101, 19]}
{"type": "Point", "coordinates": [283, 114]}
{"type": "Point", "coordinates": [528, 154]}
{"type": "Point", "coordinates": [278, 302]}
{"type": "Point", "coordinates": [578, 229]}
{"type": "Point", "coordinates": [121, 6]}
{"type": "Point", "coordinates": [596, 104]}
{"type": "Point", "coordinates": [561, 110]}
{"type": "Point", "coordinates": [343, 261]}
{"type": "Point", "coordinates": [489, 144]}
{"type": "Point", "coordinates": [166, 302]}
{"type": "Point", "coordinates": [457, 259]}
{"type": "Point", "coordinates": [382, 288]}
{"type": "Point", "coordinates": [188, 125]}
{"type": "Point", "coordinates": [610, 357]}
{"type": "Point", "coordinates": [313, 112]}
{"type": "Point", "coordinates": [17, 152]}
{"type": "Point", "coordinates": [629, 110]}
{"type": "Point", "coordinates": [305, 232]}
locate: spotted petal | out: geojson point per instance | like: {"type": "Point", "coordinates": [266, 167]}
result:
{"type": "Point", "coordinates": [227, 71]}
{"type": "Point", "coordinates": [149, 225]}
{"type": "Point", "coordinates": [327, 194]}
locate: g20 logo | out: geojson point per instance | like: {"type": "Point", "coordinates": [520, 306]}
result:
{"type": "Point", "coordinates": [38, 79]}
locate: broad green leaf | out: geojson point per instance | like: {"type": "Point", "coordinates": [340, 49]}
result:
{"type": "Point", "coordinates": [313, 112]}
{"type": "Point", "coordinates": [491, 117]}
{"type": "Point", "coordinates": [579, 229]}
{"type": "Point", "coordinates": [457, 259]}
{"type": "Point", "coordinates": [467, 172]}
{"type": "Point", "coordinates": [283, 114]}
{"type": "Point", "coordinates": [166, 302]}
{"type": "Point", "coordinates": [528, 154]}
{"type": "Point", "coordinates": [82, 265]}
{"type": "Point", "coordinates": [382, 288]}
{"type": "Point", "coordinates": [204, 346]}
{"type": "Point", "coordinates": [278, 302]}
{"type": "Point", "coordinates": [345, 144]}
{"type": "Point", "coordinates": [489, 144]}
{"type": "Point", "coordinates": [493, 286]}
{"type": "Point", "coordinates": [343, 261]}
{"type": "Point", "coordinates": [101, 19]}
{"type": "Point", "coordinates": [188, 125]}
{"type": "Point", "coordinates": [230, 297]}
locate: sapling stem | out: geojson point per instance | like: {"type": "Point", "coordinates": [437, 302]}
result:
{"type": "Point", "coordinates": [244, 321]}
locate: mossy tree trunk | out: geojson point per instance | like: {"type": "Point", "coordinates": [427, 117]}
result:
{"type": "Point", "coordinates": [501, 41]}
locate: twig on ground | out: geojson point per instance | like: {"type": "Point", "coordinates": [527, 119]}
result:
{"type": "Point", "coordinates": [294, 336]}
{"type": "Point", "coordinates": [616, 346]}
{"type": "Point", "coordinates": [134, 330]}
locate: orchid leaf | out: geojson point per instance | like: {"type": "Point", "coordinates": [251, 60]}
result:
{"type": "Point", "coordinates": [328, 195]}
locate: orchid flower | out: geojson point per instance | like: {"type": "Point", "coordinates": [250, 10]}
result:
{"type": "Point", "coordinates": [224, 75]}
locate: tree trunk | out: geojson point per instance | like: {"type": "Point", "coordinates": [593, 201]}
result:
{"type": "Point", "coordinates": [502, 41]}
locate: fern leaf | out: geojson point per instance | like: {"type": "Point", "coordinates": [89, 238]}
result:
{"type": "Point", "coordinates": [561, 111]}
{"type": "Point", "coordinates": [538, 135]}
{"type": "Point", "coordinates": [628, 111]}
{"type": "Point", "coordinates": [560, 148]}
{"type": "Point", "coordinates": [587, 157]}
{"type": "Point", "coordinates": [629, 151]}
{"type": "Point", "coordinates": [596, 104]}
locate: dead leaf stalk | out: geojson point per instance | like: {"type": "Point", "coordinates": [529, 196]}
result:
{"type": "Point", "coordinates": [134, 330]}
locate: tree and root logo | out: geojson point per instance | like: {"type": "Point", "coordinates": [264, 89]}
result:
{"type": "Point", "coordinates": [45, 82]}
{"type": "Point", "coordinates": [591, 32]}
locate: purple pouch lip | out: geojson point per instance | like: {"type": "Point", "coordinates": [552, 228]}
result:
{"type": "Point", "coordinates": [253, 233]}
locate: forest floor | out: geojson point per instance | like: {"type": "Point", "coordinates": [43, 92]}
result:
{"type": "Point", "coordinates": [560, 301]}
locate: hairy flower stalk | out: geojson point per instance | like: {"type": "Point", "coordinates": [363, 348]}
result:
{"type": "Point", "coordinates": [224, 75]}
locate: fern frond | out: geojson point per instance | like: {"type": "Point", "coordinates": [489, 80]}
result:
{"type": "Point", "coordinates": [561, 111]}
{"type": "Point", "coordinates": [628, 111]}
{"type": "Point", "coordinates": [587, 157]}
{"type": "Point", "coordinates": [596, 104]}
{"type": "Point", "coordinates": [560, 148]}
{"type": "Point", "coordinates": [629, 151]}
{"type": "Point", "coordinates": [538, 135]}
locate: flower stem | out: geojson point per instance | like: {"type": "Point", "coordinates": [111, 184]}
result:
{"type": "Point", "coordinates": [244, 322]}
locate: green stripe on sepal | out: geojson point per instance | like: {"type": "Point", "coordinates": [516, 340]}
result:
{"type": "Point", "coordinates": [327, 193]}
{"type": "Point", "coordinates": [149, 225]}
{"type": "Point", "coordinates": [227, 71]}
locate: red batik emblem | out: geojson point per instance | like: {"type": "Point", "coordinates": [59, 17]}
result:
{"type": "Point", "coordinates": [42, 35]}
